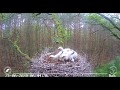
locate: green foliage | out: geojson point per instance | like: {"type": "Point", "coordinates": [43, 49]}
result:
{"type": "Point", "coordinates": [106, 68]}
{"type": "Point", "coordinates": [95, 18]}
{"type": "Point", "coordinates": [57, 40]}
{"type": "Point", "coordinates": [109, 24]}
{"type": "Point", "coordinates": [4, 17]}
{"type": "Point", "coordinates": [62, 34]}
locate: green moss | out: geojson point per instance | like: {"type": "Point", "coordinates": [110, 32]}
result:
{"type": "Point", "coordinates": [62, 34]}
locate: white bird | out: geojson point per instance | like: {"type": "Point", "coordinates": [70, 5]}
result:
{"type": "Point", "coordinates": [68, 54]}
{"type": "Point", "coordinates": [73, 56]}
{"type": "Point", "coordinates": [56, 57]}
{"type": "Point", "coordinates": [60, 48]}
{"type": "Point", "coordinates": [65, 54]}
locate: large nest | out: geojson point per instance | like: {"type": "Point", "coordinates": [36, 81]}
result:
{"type": "Point", "coordinates": [42, 64]}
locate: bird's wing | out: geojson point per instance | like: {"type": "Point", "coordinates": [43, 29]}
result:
{"type": "Point", "coordinates": [57, 55]}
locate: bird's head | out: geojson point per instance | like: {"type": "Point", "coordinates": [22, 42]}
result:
{"type": "Point", "coordinates": [60, 48]}
{"type": "Point", "coordinates": [51, 56]}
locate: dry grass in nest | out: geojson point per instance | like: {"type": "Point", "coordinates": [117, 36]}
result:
{"type": "Point", "coordinates": [55, 68]}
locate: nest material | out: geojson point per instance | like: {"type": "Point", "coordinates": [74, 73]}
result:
{"type": "Point", "coordinates": [42, 64]}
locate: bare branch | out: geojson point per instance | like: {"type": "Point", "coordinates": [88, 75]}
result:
{"type": "Point", "coordinates": [94, 31]}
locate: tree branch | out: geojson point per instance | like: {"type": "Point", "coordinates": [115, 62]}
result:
{"type": "Point", "coordinates": [109, 21]}
{"type": "Point", "coordinates": [17, 48]}
{"type": "Point", "coordinates": [113, 33]}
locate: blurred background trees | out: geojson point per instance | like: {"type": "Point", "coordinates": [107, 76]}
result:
{"type": "Point", "coordinates": [22, 35]}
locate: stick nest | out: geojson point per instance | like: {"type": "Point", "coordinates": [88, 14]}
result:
{"type": "Point", "coordinates": [42, 64]}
